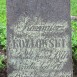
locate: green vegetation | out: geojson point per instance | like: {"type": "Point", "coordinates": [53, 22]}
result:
{"type": "Point", "coordinates": [74, 7]}
{"type": "Point", "coordinates": [2, 30]}
{"type": "Point", "coordinates": [74, 29]}
{"type": "Point", "coordinates": [1, 62]}
{"type": "Point", "coordinates": [3, 35]}
{"type": "Point", "coordinates": [74, 39]}
{"type": "Point", "coordinates": [3, 23]}
{"type": "Point", "coordinates": [3, 12]}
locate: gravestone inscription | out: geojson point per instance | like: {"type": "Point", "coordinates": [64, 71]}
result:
{"type": "Point", "coordinates": [39, 38]}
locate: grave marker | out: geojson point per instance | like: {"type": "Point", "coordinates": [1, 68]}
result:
{"type": "Point", "coordinates": [39, 38]}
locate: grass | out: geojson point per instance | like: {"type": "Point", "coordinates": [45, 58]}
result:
{"type": "Point", "coordinates": [2, 29]}
{"type": "Point", "coordinates": [73, 7]}
{"type": "Point", "coordinates": [3, 12]}
{"type": "Point", "coordinates": [1, 62]}
{"type": "Point", "coordinates": [74, 28]}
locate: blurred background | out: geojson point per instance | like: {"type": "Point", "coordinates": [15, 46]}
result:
{"type": "Point", "coordinates": [73, 13]}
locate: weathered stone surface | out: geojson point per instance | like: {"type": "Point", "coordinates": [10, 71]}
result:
{"type": "Point", "coordinates": [39, 38]}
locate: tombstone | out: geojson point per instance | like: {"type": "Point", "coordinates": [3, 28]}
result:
{"type": "Point", "coordinates": [39, 38]}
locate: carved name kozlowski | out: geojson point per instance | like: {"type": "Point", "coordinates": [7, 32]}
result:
{"type": "Point", "coordinates": [39, 43]}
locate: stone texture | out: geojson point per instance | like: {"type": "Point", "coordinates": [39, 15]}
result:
{"type": "Point", "coordinates": [39, 38]}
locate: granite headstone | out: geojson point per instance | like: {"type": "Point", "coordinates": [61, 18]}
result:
{"type": "Point", "coordinates": [39, 38]}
